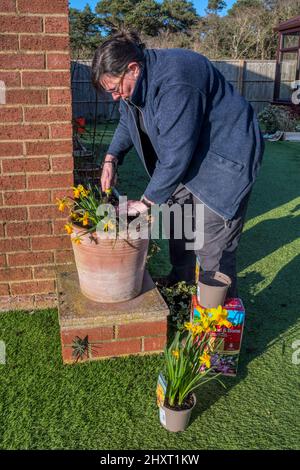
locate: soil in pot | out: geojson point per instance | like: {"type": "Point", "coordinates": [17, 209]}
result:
{"type": "Point", "coordinates": [186, 405]}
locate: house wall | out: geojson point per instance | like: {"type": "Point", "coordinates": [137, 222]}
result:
{"type": "Point", "coordinates": [36, 164]}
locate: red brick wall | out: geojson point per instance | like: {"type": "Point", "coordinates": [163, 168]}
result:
{"type": "Point", "coordinates": [36, 164]}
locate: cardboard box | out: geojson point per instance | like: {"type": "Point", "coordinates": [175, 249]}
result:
{"type": "Point", "coordinates": [226, 359]}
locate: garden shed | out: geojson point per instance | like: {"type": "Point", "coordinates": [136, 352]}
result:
{"type": "Point", "coordinates": [288, 60]}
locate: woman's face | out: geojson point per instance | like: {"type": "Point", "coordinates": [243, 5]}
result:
{"type": "Point", "coordinates": [121, 87]}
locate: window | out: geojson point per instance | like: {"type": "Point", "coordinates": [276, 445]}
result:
{"type": "Point", "coordinates": [290, 40]}
{"type": "Point", "coordinates": [288, 61]}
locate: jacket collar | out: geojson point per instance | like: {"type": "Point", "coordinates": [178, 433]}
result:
{"type": "Point", "coordinates": [138, 96]}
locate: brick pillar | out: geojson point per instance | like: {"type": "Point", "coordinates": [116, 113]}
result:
{"type": "Point", "coordinates": [36, 164]}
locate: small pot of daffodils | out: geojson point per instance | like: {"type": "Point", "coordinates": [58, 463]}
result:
{"type": "Point", "coordinates": [187, 367]}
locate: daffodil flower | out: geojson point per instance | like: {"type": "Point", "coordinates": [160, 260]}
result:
{"type": "Point", "coordinates": [74, 216]}
{"type": "Point", "coordinates": [175, 353]}
{"type": "Point", "coordinates": [197, 330]}
{"type": "Point", "coordinates": [205, 359]}
{"type": "Point", "coordinates": [220, 315]}
{"type": "Point", "coordinates": [206, 323]}
{"type": "Point", "coordinates": [76, 192]}
{"type": "Point", "coordinates": [61, 203]}
{"type": "Point", "coordinates": [85, 219]}
{"type": "Point", "coordinates": [81, 191]}
{"type": "Point", "coordinates": [84, 192]}
{"type": "Point", "coordinates": [76, 240]}
{"type": "Point", "coordinates": [108, 191]}
{"type": "Point", "coordinates": [188, 326]}
{"type": "Point", "coordinates": [69, 228]}
{"type": "Point", "coordinates": [108, 226]}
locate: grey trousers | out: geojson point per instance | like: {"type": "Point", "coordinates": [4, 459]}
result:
{"type": "Point", "coordinates": [221, 240]}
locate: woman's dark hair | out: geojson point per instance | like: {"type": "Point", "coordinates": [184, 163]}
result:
{"type": "Point", "coordinates": [115, 53]}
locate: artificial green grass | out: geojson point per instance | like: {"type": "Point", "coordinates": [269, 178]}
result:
{"type": "Point", "coordinates": [111, 404]}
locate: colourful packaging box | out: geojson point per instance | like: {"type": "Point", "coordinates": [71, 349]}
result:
{"type": "Point", "coordinates": [226, 359]}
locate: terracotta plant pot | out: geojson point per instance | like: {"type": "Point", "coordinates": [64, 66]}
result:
{"type": "Point", "coordinates": [176, 420]}
{"type": "Point", "coordinates": [212, 288]}
{"type": "Point", "coordinates": [109, 270]}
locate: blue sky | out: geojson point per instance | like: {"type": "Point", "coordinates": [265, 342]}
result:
{"type": "Point", "coordinates": [200, 5]}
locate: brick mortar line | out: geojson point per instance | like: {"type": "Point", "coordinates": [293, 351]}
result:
{"type": "Point", "coordinates": [41, 15]}
{"type": "Point", "coordinates": [53, 251]}
{"type": "Point", "coordinates": [36, 88]}
{"type": "Point", "coordinates": [34, 173]}
{"type": "Point", "coordinates": [63, 139]}
{"type": "Point", "coordinates": [31, 237]}
{"type": "Point", "coordinates": [21, 191]}
{"type": "Point", "coordinates": [35, 123]}
{"type": "Point", "coordinates": [106, 341]}
{"type": "Point", "coordinates": [103, 358]}
{"type": "Point", "coordinates": [29, 53]}
{"type": "Point", "coordinates": [118, 340]}
{"type": "Point", "coordinates": [32, 294]}
{"type": "Point", "coordinates": [26, 266]}
{"type": "Point", "coordinates": [29, 221]}
{"type": "Point", "coordinates": [40, 34]}
{"type": "Point", "coordinates": [27, 212]}
{"type": "Point", "coordinates": [41, 106]}
{"type": "Point", "coordinates": [21, 281]}
{"type": "Point", "coordinates": [38, 71]}
{"type": "Point", "coordinates": [28, 33]}
{"type": "Point", "coordinates": [33, 157]}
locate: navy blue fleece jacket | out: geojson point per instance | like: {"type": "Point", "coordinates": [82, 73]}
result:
{"type": "Point", "coordinates": [204, 133]}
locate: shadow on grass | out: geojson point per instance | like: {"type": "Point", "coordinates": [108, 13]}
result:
{"type": "Point", "coordinates": [267, 237]}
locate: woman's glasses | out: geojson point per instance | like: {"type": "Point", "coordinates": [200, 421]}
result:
{"type": "Point", "coordinates": [116, 89]}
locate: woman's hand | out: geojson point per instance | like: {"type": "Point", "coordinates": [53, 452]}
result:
{"type": "Point", "coordinates": [134, 208]}
{"type": "Point", "coordinates": [109, 172]}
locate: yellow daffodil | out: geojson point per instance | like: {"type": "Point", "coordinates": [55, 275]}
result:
{"type": "Point", "coordinates": [108, 226]}
{"type": "Point", "coordinates": [205, 359]}
{"type": "Point", "coordinates": [197, 330]}
{"type": "Point", "coordinates": [206, 323]}
{"type": "Point", "coordinates": [76, 240]}
{"type": "Point", "coordinates": [69, 228]}
{"type": "Point", "coordinates": [108, 191]}
{"type": "Point", "coordinates": [85, 219]}
{"type": "Point", "coordinates": [61, 204]}
{"type": "Point", "coordinates": [189, 326]}
{"type": "Point", "coordinates": [76, 192]}
{"type": "Point", "coordinates": [175, 353]}
{"type": "Point", "coordinates": [219, 315]}
{"type": "Point", "coordinates": [84, 192]}
{"type": "Point", "coordinates": [74, 216]}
